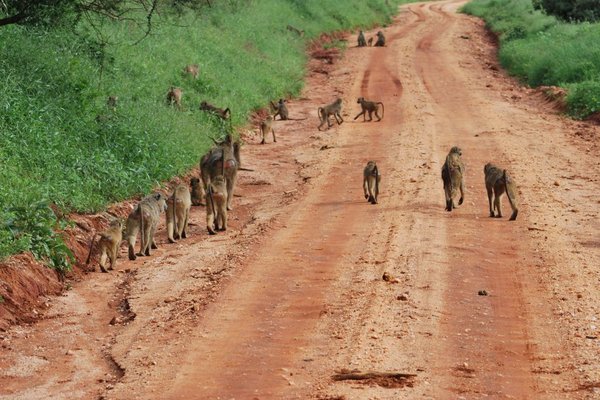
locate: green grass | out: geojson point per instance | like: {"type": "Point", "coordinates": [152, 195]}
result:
{"type": "Point", "coordinates": [540, 50]}
{"type": "Point", "coordinates": [59, 143]}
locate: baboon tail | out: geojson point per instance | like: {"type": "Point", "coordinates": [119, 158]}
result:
{"type": "Point", "coordinates": [175, 230]}
{"type": "Point", "coordinates": [142, 228]}
{"type": "Point", "coordinates": [512, 198]}
{"type": "Point", "coordinates": [382, 109]}
{"type": "Point", "coordinates": [319, 111]}
{"type": "Point", "coordinates": [87, 262]}
{"type": "Point", "coordinates": [376, 173]}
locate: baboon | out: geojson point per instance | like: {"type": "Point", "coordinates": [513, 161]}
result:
{"type": "Point", "coordinates": [192, 69]}
{"type": "Point", "coordinates": [452, 175]}
{"type": "Point", "coordinates": [371, 41]}
{"type": "Point", "coordinates": [174, 96]}
{"type": "Point", "coordinates": [265, 127]}
{"type": "Point", "coordinates": [370, 107]}
{"type": "Point", "coordinates": [334, 109]}
{"type": "Point", "coordinates": [197, 192]}
{"type": "Point", "coordinates": [222, 113]}
{"type": "Point", "coordinates": [497, 181]}
{"type": "Point", "coordinates": [144, 218]}
{"type": "Point", "coordinates": [371, 179]}
{"type": "Point", "coordinates": [108, 245]}
{"type": "Point", "coordinates": [178, 213]}
{"type": "Point", "coordinates": [280, 109]}
{"type": "Point", "coordinates": [380, 40]}
{"type": "Point", "coordinates": [111, 102]}
{"type": "Point", "coordinates": [299, 32]}
{"type": "Point", "coordinates": [216, 205]}
{"type": "Point", "coordinates": [223, 159]}
{"type": "Point", "coordinates": [361, 39]}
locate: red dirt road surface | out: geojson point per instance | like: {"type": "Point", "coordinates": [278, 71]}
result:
{"type": "Point", "coordinates": [290, 303]}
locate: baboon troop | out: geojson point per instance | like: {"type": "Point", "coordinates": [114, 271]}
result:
{"type": "Point", "coordinates": [174, 96]}
{"type": "Point", "coordinates": [216, 205]}
{"type": "Point", "coordinates": [220, 112]}
{"type": "Point", "coordinates": [452, 175]}
{"type": "Point", "coordinates": [144, 219]}
{"type": "Point", "coordinates": [192, 70]}
{"type": "Point", "coordinates": [265, 127]}
{"type": "Point", "coordinates": [197, 192]}
{"type": "Point", "coordinates": [380, 40]}
{"type": "Point", "coordinates": [371, 179]}
{"type": "Point", "coordinates": [178, 213]}
{"type": "Point", "coordinates": [108, 245]}
{"type": "Point", "coordinates": [369, 107]}
{"type": "Point", "coordinates": [280, 109]}
{"type": "Point", "coordinates": [334, 109]}
{"type": "Point", "coordinates": [498, 182]}
{"type": "Point", "coordinates": [361, 39]}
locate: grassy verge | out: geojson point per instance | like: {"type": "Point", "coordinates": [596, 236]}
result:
{"type": "Point", "coordinates": [540, 50]}
{"type": "Point", "coordinates": [59, 143]}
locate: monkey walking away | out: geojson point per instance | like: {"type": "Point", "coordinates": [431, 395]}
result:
{"type": "Point", "coordinates": [216, 205]}
{"type": "Point", "coordinates": [197, 192]}
{"type": "Point", "coordinates": [371, 179]}
{"type": "Point", "coordinates": [108, 245]}
{"type": "Point", "coordinates": [361, 39]}
{"type": "Point", "coordinates": [498, 182]}
{"type": "Point", "coordinates": [370, 107]}
{"type": "Point", "coordinates": [380, 40]}
{"type": "Point", "coordinates": [223, 159]}
{"type": "Point", "coordinates": [178, 213]}
{"type": "Point", "coordinates": [265, 127]}
{"type": "Point", "coordinates": [453, 177]}
{"type": "Point", "coordinates": [144, 219]}
{"type": "Point", "coordinates": [334, 109]}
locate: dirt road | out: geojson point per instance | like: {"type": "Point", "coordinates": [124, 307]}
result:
{"type": "Point", "coordinates": [293, 293]}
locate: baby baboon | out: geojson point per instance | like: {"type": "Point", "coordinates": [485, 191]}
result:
{"type": "Point", "coordinates": [371, 41]}
{"type": "Point", "coordinates": [299, 32]}
{"type": "Point", "coordinates": [223, 159]}
{"type": "Point", "coordinates": [216, 205]}
{"type": "Point", "coordinates": [197, 192]}
{"type": "Point", "coordinates": [452, 175]}
{"type": "Point", "coordinates": [222, 113]}
{"type": "Point", "coordinates": [370, 107]}
{"type": "Point", "coordinates": [361, 39]}
{"type": "Point", "coordinates": [174, 96]}
{"type": "Point", "coordinates": [371, 179]}
{"type": "Point", "coordinates": [192, 69]}
{"type": "Point", "coordinates": [144, 218]}
{"type": "Point", "coordinates": [265, 127]}
{"type": "Point", "coordinates": [280, 109]}
{"type": "Point", "coordinates": [111, 102]}
{"type": "Point", "coordinates": [380, 40]}
{"type": "Point", "coordinates": [334, 109]}
{"type": "Point", "coordinates": [108, 245]}
{"type": "Point", "coordinates": [178, 213]}
{"type": "Point", "coordinates": [497, 181]}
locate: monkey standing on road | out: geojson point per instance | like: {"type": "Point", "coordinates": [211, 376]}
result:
{"type": "Point", "coordinates": [380, 40]}
{"type": "Point", "coordinates": [361, 39]}
{"type": "Point", "coordinates": [498, 182]}
{"type": "Point", "coordinates": [371, 179]}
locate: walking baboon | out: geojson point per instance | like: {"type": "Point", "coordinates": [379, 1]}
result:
{"type": "Point", "coordinates": [108, 245]}
{"type": "Point", "coordinates": [371, 41]}
{"type": "Point", "coordinates": [216, 205]}
{"type": "Point", "coordinates": [370, 107]}
{"type": "Point", "coordinates": [223, 159]}
{"type": "Point", "coordinates": [361, 39]}
{"type": "Point", "coordinates": [265, 127]}
{"type": "Point", "coordinates": [197, 192]}
{"type": "Point", "coordinates": [371, 179]}
{"type": "Point", "coordinates": [453, 177]}
{"type": "Point", "coordinates": [192, 69]}
{"type": "Point", "coordinates": [220, 112]}
{"type": "Point", "coordinates": [299, 32]}
{"type": "Point", "coordinates": [380, 40]}
{"type": "Point", "coordinates": [178, 213]}
{"type": "Point", "coordinates": [174, 96]}
{"type": "Point", "coordinates": [111, 102]}
{"type": "Point", "coordinates": [280, 109]}
{"type": "Point", "coordinates": [497, 181]}
{"type": "Point", "coordinates": [144, 218]}
{"type": "Point", "coordinates": [334, 109]}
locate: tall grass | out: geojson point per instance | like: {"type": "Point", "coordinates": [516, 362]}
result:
{"type": "Point", "coordinates": [543, 51]}
{"type": "Point", "coordinates": [61, 145]}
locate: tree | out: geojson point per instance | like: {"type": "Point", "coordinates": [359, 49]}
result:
{"type": "Point", "coordinates": [572, 10]}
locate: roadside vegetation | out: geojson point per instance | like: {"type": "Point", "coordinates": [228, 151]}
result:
{"type": "Point", "coordinates": [62, 149]}
{"type": "Point", "coordinates": [542, 50]}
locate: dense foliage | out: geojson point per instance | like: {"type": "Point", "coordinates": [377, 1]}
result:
{"type": "Point", "coordinates": [544, 51]}
{"type": "Point", "coordinates": [571, 10]}
{"type": "Point", "coordinates": [61, 145]}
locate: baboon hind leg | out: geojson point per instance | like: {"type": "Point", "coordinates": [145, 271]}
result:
{"type": "Point", "coordinates": [102, 261]}
{"type": "Point", "coordinates": [490, 196]}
